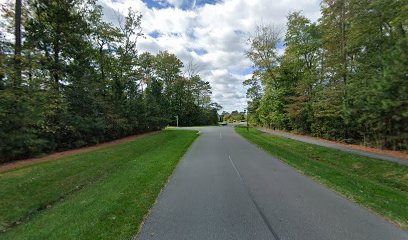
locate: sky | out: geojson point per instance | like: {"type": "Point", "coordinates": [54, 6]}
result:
{"type": "Point", "coordinates": [211, 34]}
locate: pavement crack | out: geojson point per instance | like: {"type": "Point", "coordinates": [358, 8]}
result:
{"type": "Point", "coordinates": [251, 197]}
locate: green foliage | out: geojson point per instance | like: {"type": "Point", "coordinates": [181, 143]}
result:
{"type": "Point", "coordinates": [343, 77]}
{"type": "Point", "coordinates": [83, 82]}
{"type": "Point", "coordinates": [21, 121]}
{"type": "Point", "coordinates": [234, 116]}
{"type": "Point", "coordinates": [254, 94]}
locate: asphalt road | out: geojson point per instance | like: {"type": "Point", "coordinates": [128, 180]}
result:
{"type": "Point", "coordinates": [384, 157]}
{"type": "Point", "coordinates": [227, 188]}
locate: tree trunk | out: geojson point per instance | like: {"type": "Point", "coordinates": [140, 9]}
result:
{"type": "Point", "coordinates": [17, 45]}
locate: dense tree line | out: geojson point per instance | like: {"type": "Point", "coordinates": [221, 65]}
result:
{"type": "Point", "coordinates": [69, 79]}
{"type": "Point", "coordinates": [343, 77]}
{"type": "Point", "coordinates": [234, 116]}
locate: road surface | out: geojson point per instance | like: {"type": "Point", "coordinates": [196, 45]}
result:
{"type": "Point", "coordinates": [227, 188]}
{"type": "Point", "coordinates": [384, 157]}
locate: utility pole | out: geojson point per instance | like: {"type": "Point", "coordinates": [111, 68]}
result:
{"type": "Point", "coordinates": [177, 120]}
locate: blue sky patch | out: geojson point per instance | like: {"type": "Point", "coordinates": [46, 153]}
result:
{"type": "Point", "coordinates": [156, 4]}
{"type": "Point", "coordinates": [186, 5]}
{"type": "Point", "coordinates": [198, 51]}
{"type": "Point", "coordinates": [155, 34]}
{"type": "Point", "coordinates": [190, 34]}
{"type": "Point", "coordinates": [203, 2]}
{"type": "Point", "coordinates": [245, 71]}
{"type": "Point", "coordinates": [280, 45]}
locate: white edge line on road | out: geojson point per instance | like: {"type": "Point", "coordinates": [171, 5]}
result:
{"type": "Point", "coordinates": [236, 170]}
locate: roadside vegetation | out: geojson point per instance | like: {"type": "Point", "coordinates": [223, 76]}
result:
{"type": "Point", "coordinates": [233, 117]}
{"type": "Point", "coordinates": [103, 194]}
{"type": "Point", "coordinates": [83, 81]}
{"type": "Point", "coordinates": [379, 185]}
{"type": "Point", "coordinates": [341, 77]}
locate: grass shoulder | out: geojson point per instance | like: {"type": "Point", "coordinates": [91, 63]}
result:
{"type": "Point", "coordinates": [378, 185]}
{"type": "Point", "coordinates": [103, 194]}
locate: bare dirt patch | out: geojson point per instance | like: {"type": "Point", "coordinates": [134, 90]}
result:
{"type": "Point", "coordinates": [54, 156]}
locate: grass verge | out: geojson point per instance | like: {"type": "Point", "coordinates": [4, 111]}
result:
{"type": "Point", "coordinates": [378, 185]}
{"type": "Point", "coordinates": [103, 194]}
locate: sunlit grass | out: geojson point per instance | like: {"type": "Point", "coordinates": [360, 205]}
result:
{"type": "Point", "coordinates": [98, 195]}
{"type": "Point", "coordinates": [379, 185]}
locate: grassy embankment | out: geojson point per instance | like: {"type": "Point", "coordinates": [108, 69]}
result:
{"type": "Point", "coordinates": [379, 185]}
{"type": "Point", "coordinates": [103, 194]}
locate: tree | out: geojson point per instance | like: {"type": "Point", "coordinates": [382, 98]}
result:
{"type": "Point", "coordinates": [262, 51]}
{"type": "Point", "coordinates": [154, 99]}
{"type": "Point", "coordinates": [83, 81]}
{"type": "Point", "coordinates": [3, 61]}
{"type": "Point", "coordinates": [378, 43]}
{"type": "Point", "coordinates": [254, 94]}
{"type": "Point", "coordinates": [343, 77]}
{"type": "Point", "coordinates": [201, 91]}
{"type": "Point", "coordinates": [17, 44]}
{"type": "Point", "coordinates": [300, 70]}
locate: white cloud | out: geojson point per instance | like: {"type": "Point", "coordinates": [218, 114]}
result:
{"type": "Point", "coordinates": [218, 30]}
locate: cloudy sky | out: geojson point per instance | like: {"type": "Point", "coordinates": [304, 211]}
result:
{"type": "Point", "coordinates": [210, 33]}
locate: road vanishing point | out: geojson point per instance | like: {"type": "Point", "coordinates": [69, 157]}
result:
{"type": "Point", "coordinates": [228, 188]}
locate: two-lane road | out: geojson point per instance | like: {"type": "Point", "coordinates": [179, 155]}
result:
{"type": "Point", "coordinates": [227, 188]}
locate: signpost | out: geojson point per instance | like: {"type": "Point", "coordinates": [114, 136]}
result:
{"type": "Point", "coordinates": [247, 121]}
{"type": "Point", "coordinates": [247, 124]}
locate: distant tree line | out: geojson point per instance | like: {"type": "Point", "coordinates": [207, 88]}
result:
{"type": "Point", "coordinates": [344, 77]}
{"type": "Point", "coordinates": [70, 79]}
{"type": "Point", "coordinates": [234, 116]}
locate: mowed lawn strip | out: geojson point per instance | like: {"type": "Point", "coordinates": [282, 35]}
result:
{"type": "Point", "coordinates": [28, 189]}
{"type": "Point", "coordinates": [116, 188]}
{"type": "Point", "coordinates": [379, 185]}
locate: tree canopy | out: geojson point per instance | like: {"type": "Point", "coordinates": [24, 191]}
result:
{"type": "Point", "coordinates": [343, 77]}
{"type": "Point", "coordinates": [75, 80]}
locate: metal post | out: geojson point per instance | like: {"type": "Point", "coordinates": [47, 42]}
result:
{"type": "Point", "coordinates": [247, 121]}
{"type": "Point", "coordinates": [245, 112]}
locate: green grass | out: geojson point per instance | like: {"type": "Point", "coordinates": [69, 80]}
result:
{"type": "Point", "coordinates": [378, 185]}
{"type": "Point", "coordinates": [103, 194]}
